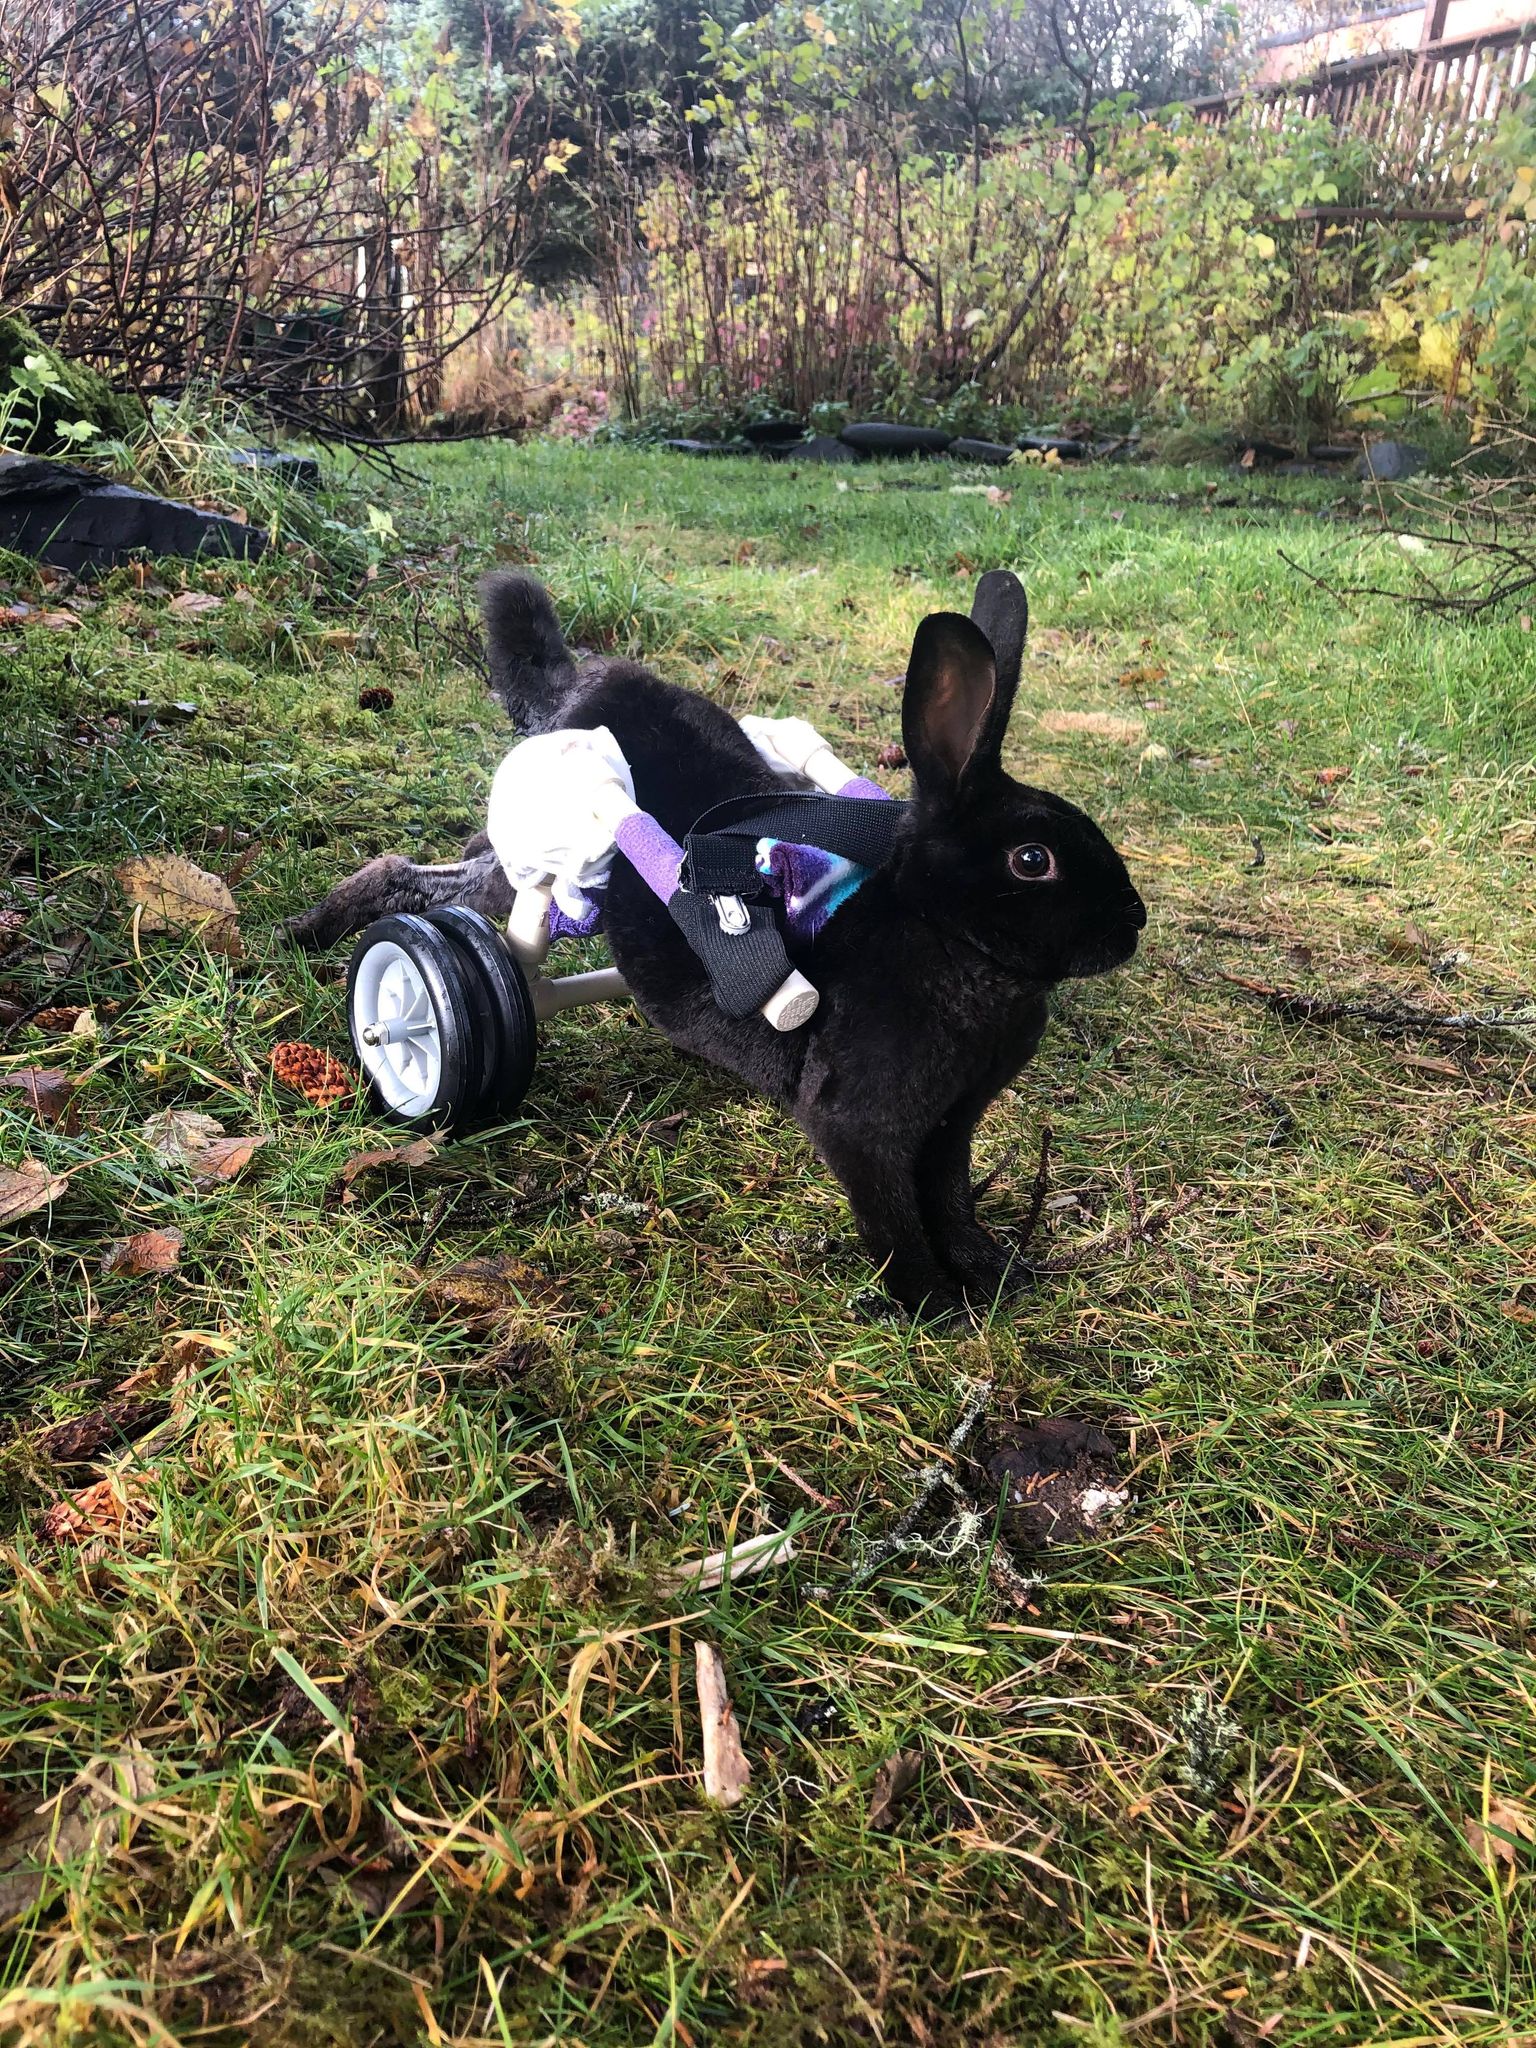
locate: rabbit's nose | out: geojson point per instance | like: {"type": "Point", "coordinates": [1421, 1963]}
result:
{"type": "Point", "coordinates": [1135, 911]}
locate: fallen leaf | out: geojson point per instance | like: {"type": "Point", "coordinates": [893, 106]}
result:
{"type": "Point", "coordinates": [893, 1783]}
{"type": "Point", "coordinates": [483, 1290]}
{"type": "Point", "coordinates": [727, 1773]}
{"type": "Point", "coordinates": [180, 1134]}
{"type": "Point", "coordinates": [45, 1090]}
{"type": "Point", "coordinates": [151, 1251]}
{"type": "Point", "coordinates": [12, 925]}
{"type": "Point", "coordinates": [1142, 678]}
{"type": "Point", "coordinates": [177, 895]}
{"type": "Point", "coordinates": [28, 1187]}
{"type": "Point", "coordinates": [224, 1158]}
{"type": "Point", "coordinates": [1512, 1820]}
{"type": "Point", "coordinates": [1407, 944]}
{"type": "Point", "coordinates": [1328, 776]}
{"type": "Point", "coordinates": [84, 1025]}
{"type": "Point", "coordinates": [420, 1152]}
{"type": "Point", "coordinates": [192, 604]}
{"type": "Point", "coordinates": [59, 1834]}
{"type": "Point", "coordinates": [55, 622]}
{"type": "Point", "coordinates": [1101, 725]}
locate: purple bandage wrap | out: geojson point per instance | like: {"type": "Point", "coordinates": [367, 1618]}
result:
{"type": "Point", "coordinates": [862, 786]}
{"type": "Point", "coordinates": [654, 854]}
{"type": "Point", "coordinates": [563, 927]}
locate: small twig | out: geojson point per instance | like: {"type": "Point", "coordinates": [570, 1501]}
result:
{"type": "Point", "coordinates": [822, 1500]}
{"type": "Point", "coordinates": [1038, 1192]}
{"type": "Point", "coordinates": [1115, 1243]}
{"type": "Point", "coordinates": [1400, 1017]}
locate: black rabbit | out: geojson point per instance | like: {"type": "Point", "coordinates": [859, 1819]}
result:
{"type": "Point", "coordinates": [933, 976]}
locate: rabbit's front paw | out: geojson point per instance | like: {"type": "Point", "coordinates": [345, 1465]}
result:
{"type": "Point", "coordinates": [985, 1266]}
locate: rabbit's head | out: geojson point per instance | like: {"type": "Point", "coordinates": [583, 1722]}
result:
{"type": "Point", "coordinates": [1025, 876]}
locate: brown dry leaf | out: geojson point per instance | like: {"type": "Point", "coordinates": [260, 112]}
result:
{"type": "Point", "coordinates": [1489, 1847]}
{"type": "Point", "coordinates": [893, 1782]}
{"type": "Point", "coordinates": [1408, 943]}
{"type": "Point", "coordinates": [55, 622]}
{"type": "Point", "coordinates": [1142, 678]}
{"type": "Point", "coordinates": [28, 1187]}
{"type": "Point", "coordinates": [108, 1508]}
{"type": "Point", "coordinates": [484, 1290]}
{"type": "Point", "coordinates": [64, 1830]}
{"type": "Point", "coordinates": [177, 895]}
{"type": "Point", "coordinates": [45, 1090]}
{"type": "Point", "coordinates": [151, 1251]}
{"type": "Point", "coordinates": [192, 604]}
{"type": "Point", "coordinates": [224, 1158]}
{"type": "Point", "coordinates": [420, 1152]}
{"type": "Point", "coordinates": [1328, 776]}
{"type": "Point", "coordinates": [181, 1134]}
{"type": "Point", "coordinates": [1100, 725]}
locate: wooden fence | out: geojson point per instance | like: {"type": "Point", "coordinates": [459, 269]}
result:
{"type": "Point", "coordinates": [1421, 109]}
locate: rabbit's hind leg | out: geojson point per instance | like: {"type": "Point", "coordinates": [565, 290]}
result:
{"type": "Point", "coordinates": [392, 884]}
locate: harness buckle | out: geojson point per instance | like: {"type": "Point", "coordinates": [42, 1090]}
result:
{"type": "Point", "coordinates": [733, 915]}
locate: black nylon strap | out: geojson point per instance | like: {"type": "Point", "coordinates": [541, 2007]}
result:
{"type": "Point", "coordinates": [744, 967]}
{"type": "Point", "coordinates": [719, 851]}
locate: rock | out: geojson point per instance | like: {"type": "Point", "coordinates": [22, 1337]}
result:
{"type": "Point", "coordinates": [773, 433]}
{"type": "Point", "coordinates": [1389, 462]}
{"type": "Point", "coordinates": [70, 518]}
{"type": "Point", "coordinates": [1052, 444]}
{"type": "Point", "coordinates": [882, 437]}
{"type": "Point", "coordinates": [85, 396]}
{"type": "Point", "coordinates": [818, 448]}
{"type": "Point", "coordinates": [302, 470]}
{"type": "Point", "coordinates": [995, 452]}
{"type": "Point", "coordinates": [686, 447]}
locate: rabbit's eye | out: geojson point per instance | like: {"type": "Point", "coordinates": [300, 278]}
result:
{"type": "Point", "coordinates": [1032, 863]}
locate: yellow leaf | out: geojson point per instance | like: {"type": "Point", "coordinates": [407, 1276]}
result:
{"type": "Point", "coordinates": [1265, 244]}
{"type": "Point", "coordinates": [174, 894]}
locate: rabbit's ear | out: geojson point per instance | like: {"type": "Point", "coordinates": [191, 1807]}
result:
{"type": "Point", "coordinates": [1001, 610]}
{"type": "Point", "coordinates": [953, 713]}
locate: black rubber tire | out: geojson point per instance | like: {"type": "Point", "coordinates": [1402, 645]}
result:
{"type": "Point", "coordinates": [512, 1042]}
{"type": "Point", "coordinates": [448, 983]}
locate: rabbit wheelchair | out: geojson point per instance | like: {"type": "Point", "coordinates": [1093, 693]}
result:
{"type": "Point", "coordinates": [443, 1008]}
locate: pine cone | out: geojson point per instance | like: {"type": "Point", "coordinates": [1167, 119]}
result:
{"type": "Point", "coordinates": [313, 1073]}
{"type": "Point", "coordinates": [376, 698]}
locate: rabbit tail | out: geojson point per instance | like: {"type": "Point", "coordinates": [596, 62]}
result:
{"type": "Point", "coordinates": [532, 670]}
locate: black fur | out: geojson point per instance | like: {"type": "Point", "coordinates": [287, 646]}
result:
{"type": "Point", "coordinates": [933, 978]}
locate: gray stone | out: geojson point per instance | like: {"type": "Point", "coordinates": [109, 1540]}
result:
{"type": "Point", "coordinates": [687, 447]}
{"type": "Point", "coordinates": [818, 448]}
{"type": "Point", "coordinates": [1389, 462]}
{"type": "Point", "coordinates": [68, 517]}
{"type": "Point", "coordinates": [995, 452]}
{"type": "Point", "coordinates": [884, 437]}
{"type": "Point", "coordinates": [773, 433]}
{"type": "Point", "coordinates": [302, 470]}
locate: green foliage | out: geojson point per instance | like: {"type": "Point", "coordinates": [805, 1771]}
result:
{"type": "Point", "coordinates": [51, 398]}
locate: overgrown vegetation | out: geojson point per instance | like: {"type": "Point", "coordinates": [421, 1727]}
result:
{"type": "Point", "coordinates": [387, 1716]}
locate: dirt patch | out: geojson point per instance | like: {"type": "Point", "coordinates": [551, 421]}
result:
{"type": "Point", "coordinates": [1059, 1480]}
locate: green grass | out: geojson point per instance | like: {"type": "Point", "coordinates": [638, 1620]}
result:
{"type": "Point", "coordinates": [386, 1638]}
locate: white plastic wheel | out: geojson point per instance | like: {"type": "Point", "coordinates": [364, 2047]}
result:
{"type": "Point", "coordinates": [397, 1030]}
